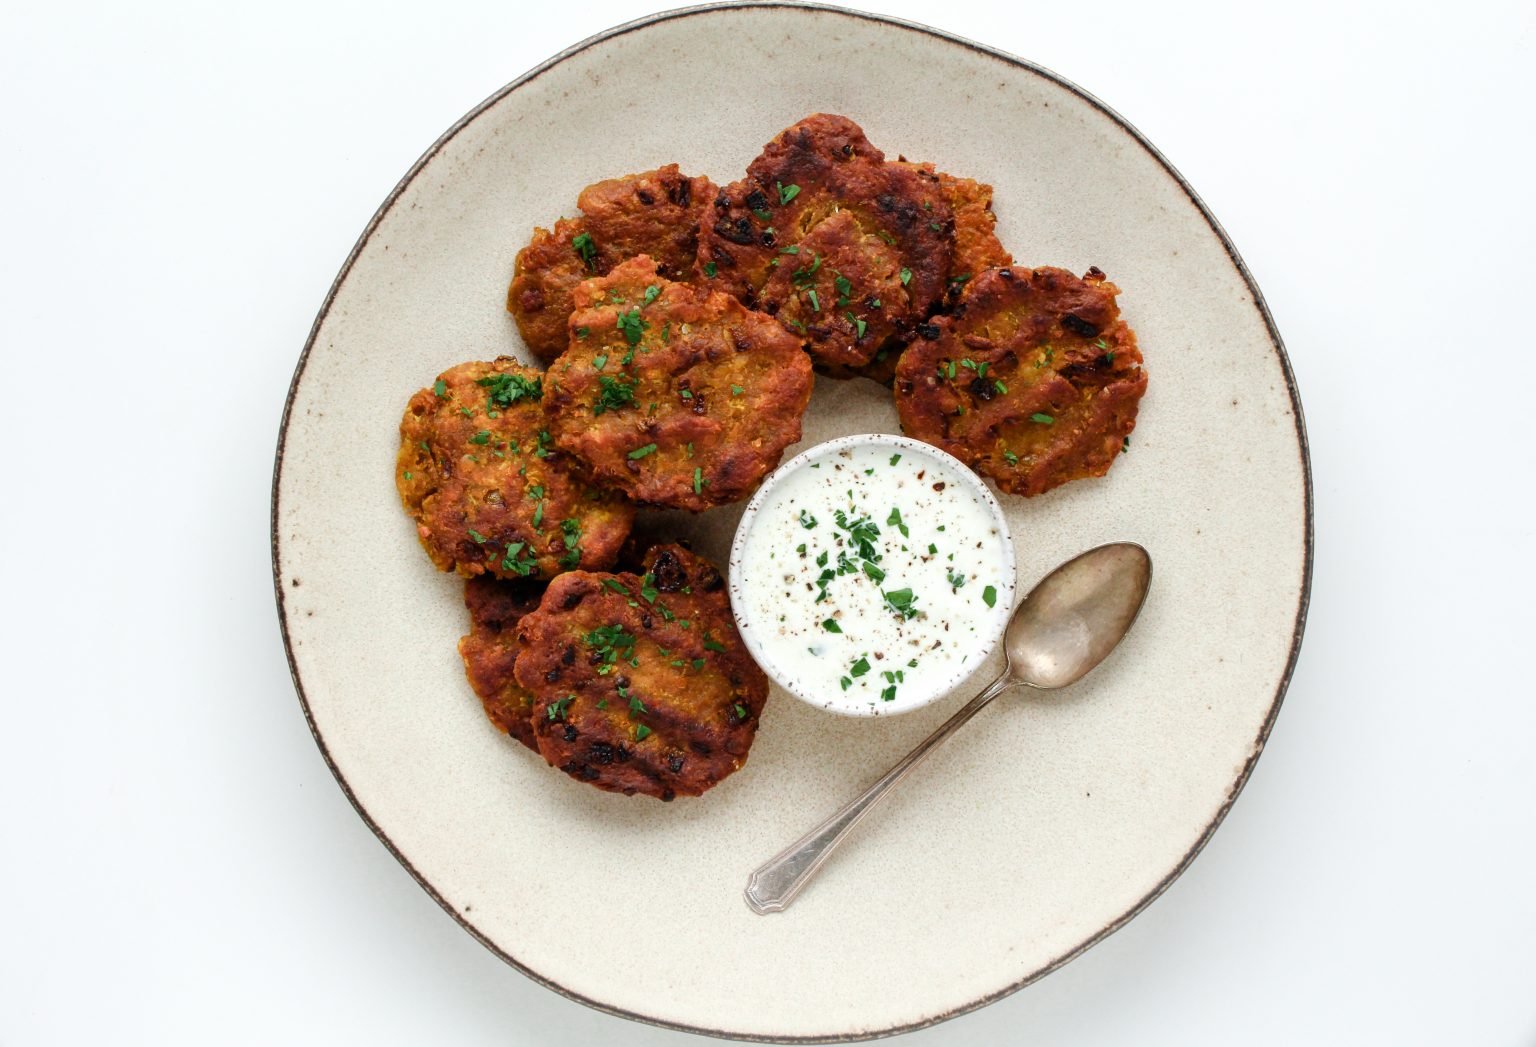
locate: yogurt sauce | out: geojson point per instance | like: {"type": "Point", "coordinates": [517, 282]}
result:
{"type": "Point", "coordinates": [873, 576]}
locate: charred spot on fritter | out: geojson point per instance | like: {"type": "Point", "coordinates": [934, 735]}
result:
{"type": "Point", "coordinates": [665, 711]}
{"type": "Point", "coordinates": [1035, 385]}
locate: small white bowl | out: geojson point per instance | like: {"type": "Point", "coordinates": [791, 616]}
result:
{"type": "Point", "coordinates": [752, 633]}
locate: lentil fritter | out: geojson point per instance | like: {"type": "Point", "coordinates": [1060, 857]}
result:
{"type": "Point", "coordinates": [655, 213]}
{"type": "Point", "coordinates": [976, 248]}
{"type": "Point", "coordinates": [490, 651]}
{"type": "Point", "coordinates": [672, 393]}
{"type": "Point", "coordinates": [640, 682]}
{"type": "Point", "coordinates": [491, 494]}
{"type": "Point", "coordinates": [1034, 381]}
{"type": "Point", "coordinates": [846, 250]}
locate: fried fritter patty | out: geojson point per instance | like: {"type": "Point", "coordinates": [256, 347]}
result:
{"type": "Point", "coordinates": [1034, 382]}
{"type": "Point", "coordinates": [675, 394]}
{"type": "Point", "coordinates": [490, 651]}
{"type": "Point", "coordinates": [845, 249]}
{"type": "Point", "coordinates": [641, 683]}
{"type": "Point", "coordinates": [490, 493]}
{"type": "Point", "coordinates": [976, 248]}
{"type": "Point", "coordinates": [656, 213]}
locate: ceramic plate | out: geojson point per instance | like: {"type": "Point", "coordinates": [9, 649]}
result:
{"type": "Point", "coordinates": [1051, 821]}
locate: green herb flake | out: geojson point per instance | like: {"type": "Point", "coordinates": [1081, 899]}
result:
{"type": "Point", "coordinates": [807, 520]}
{"type": "Point", "coordinates": [859, 668]}
{"type": "Point", "coordinates": [504, 390]}
{"type": "Point", "coordinates": [1043, 419]}
{"type": "Point", "coordinates": [859, 326]}
{"type": "Point", "coordinates": [710, 269]}
{"type": "Point", "coordinates": [641, 452]}
{"type": "Point", "coordinates": [519, 560]}
{"type": "Point", "coordinates": [652, 293]}
{"type": "Point", "coordinates": [582, 332]}
{"type": "Point", "coordinates": [712, 645]}
{"type": "Point", "coordinates": [815, 302]}
{"type": "Point", "coordinates": [479, 538]}
{"type": "Point", "coordinates": [831, 626]}
{"type": "Point", "coordinates": [901, 601]}
{"type": "Point", "coordinates": [600, 361]}
{"type": "Point", "coordinates": [482, 437]}
{"type": "Point", "coordinates": [895, 458]}
{"type": "Point", "coordinates": [698, 480]}
{"type": "Point", "coordinates": [557, 708]}
{"type": "Point", "coordinates": [894, 520]}
{"type": "Point", "coordinates": [906, 277]}
{"type": "Point", "coordinates": [787, 192]}
{"type": "Point", "coordinates": [612, 394]}
{"type": "Point", "coordinates": [586, 249]}
{"type": "Point", "coordinates": [989, 596]}
{"type": "Point", "coordinates": [844, 682]}
{"type": "Point", "coordinates": [1010, 458]}
{"type": "Point", "coordinates": [633, 326]}
{"type": "Point", "coordinates": [440, 389]}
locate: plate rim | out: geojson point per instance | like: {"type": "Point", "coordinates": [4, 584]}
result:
{"type": "Point", "coordinates": [1276, 342]}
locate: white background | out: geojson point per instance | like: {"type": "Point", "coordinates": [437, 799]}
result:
{"type": "Point", "coordinates": [180, 186]}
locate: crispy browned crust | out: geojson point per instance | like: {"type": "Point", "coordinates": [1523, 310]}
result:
{"type": "Point", "coordinates": [715, 391]}
{"type": "Point", "coordinates": [976, 248]}
{"type": "Point", "coordinates": [1070, 374]}
{"type": "Point", "coordinates": [655, 213]}
{"type": "Point", "coordinates": [490, 651]}
{"type": "Point", "coordinates": [669, 705]}
{"type": "Point", "coordinates": [490, 492]}
{"type": "Point", "coordinates": [854, 217]}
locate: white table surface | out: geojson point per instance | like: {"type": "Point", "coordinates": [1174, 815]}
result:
{"type": "Point", "coordinates": [180, 185]}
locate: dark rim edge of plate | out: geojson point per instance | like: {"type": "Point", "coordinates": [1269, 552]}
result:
{"type": "Point", "coordinates": [1259, 304]}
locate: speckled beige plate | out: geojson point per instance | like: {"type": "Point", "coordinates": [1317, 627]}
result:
{"type": "Point", "coordinates": [1051, 821]}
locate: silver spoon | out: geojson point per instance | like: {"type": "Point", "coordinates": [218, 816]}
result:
{"type": "Point", "coordinates": [1067, 625]}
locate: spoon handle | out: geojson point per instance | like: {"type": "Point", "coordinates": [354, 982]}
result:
{"type": "Point", "coordinates": [776, 882]}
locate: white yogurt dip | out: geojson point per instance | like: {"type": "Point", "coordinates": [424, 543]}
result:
{"type": "Point", "coordinates": [872, 574]}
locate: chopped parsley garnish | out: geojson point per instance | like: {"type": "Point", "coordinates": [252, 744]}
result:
{"type": "Point", "coordinates": [582, 332]}
{"type": "Point", "coordinates": [1010, 458]}
{"type": "Point", "coordinates": [697, 663]}
{"type": "Point", "coordinates": [791, 249]}
{"type": "Point", "coordinates": [906, 277]}
{"type": "Point", "coordinates": [710, 269]}
{"type": "Point", "coordinates": [956, 579]}
{"type": "Point", "coordinates": [641, 452]}
{"type": "Point", "coordinates": [686, 394]}
{"type": "Point", "coordinates": [989, 596]}
{"type": "Point", "coordinates": [875, 573]}
{"type": "Point", "coordinates": [1043, 419]}
{"type": "Point", "coordinates": [519, 560]}
{"type": "Point", "coordinates": [894, 520]}
{"type": "Point", "coordinates": [636, 706]}
{"type": "Point", "coordinates": [741, 711]}
{"type": "Point", "coordinates": [807, 520]}
{"type": "Point", "coordinates": [570, 530]}
{"type": "Point", "coordinates": [933, 550]}
{"type": "Point", "coordinates": [600, 361]}
{"type": "Point", "coordinates": [557, 708]}
{"type": "Point", "coordinates": [844, 288]}
{"type": "Point", "coordinates": [831, 626]}
{"type": "Point", "coordinates": [652, 293]}
{"type": "Point", "coordinates": [642, 732]}
{"type": "Point", "coordinates": [901, 601]}
{"type": "Point", "coordinates": [612, 394]}
{"type": "Point", "coordinates": [482, 437]}
{"type": "Point", "coordinates": [858, 325]}
{"type": "Point", "coordinates": [888, 694]}
{"type": "Point", "coordinates": [737, 390]}
{"type": "Point", "coordinates": [633, 325]}
{"type": "Point", "coordinates": [610, 643]}
{"type": "Point", "coordinates": [895, 458]}
{"type": "Point", "coordinates": [542, 450]}
{"type": "Point", "coordinates": [806, 275]}
{"type": "Point", "coordinates": [477, 536]}
{"type": "Point", "coordinates": [440, 389]}
{"type": "Point", "coordinates": [998, 382]}
{"type": "Point", "coordinates": [844, 682]}
{"type": "Point", "coordinates": [859, 668]}
{"type": "Point", "coordinates": [815, 302]}
{"type": "Point", "coordinates": [1125, 445]}
{"type": "Point", "coordinates": [698, 480]}
{"type": "Point", "coordinates": [787, 192]}
{"type": "Point", "coordinates": [616, 585]}
{"type": "Point", "coordinates": [586, 249]}
{"type": "Point", "coordinates": [711, 645]}
{"type": "Point", "coordinates": [504, 390]}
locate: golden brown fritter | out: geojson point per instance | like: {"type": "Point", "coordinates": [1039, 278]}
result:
{"type": "Point", "coordinates": [490, 651]}
{"type": "Point", "coordinates": [843, 248]}
{"type": "Point", "coordinates": [656, 213]}
{"type": "Point", "coordinates": [1034, 382]}
{"type": "Point", "coordinates": [490, 493]}
{"type": "Point", "coordinates": [976, 248]}
{"type": "Point", "coordinates": [641, 683]}
{"type": "Point", "coordinates": [672, 393]}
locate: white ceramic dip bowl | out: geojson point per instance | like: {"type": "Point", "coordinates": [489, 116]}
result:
{"type": "Point", "coordinates": [872, 574]}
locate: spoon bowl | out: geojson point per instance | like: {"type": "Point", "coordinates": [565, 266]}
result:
{"type": "Point", "coordinates": [1077, 615]}
{"type": "Point", "coordinates": [1066, 626]}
